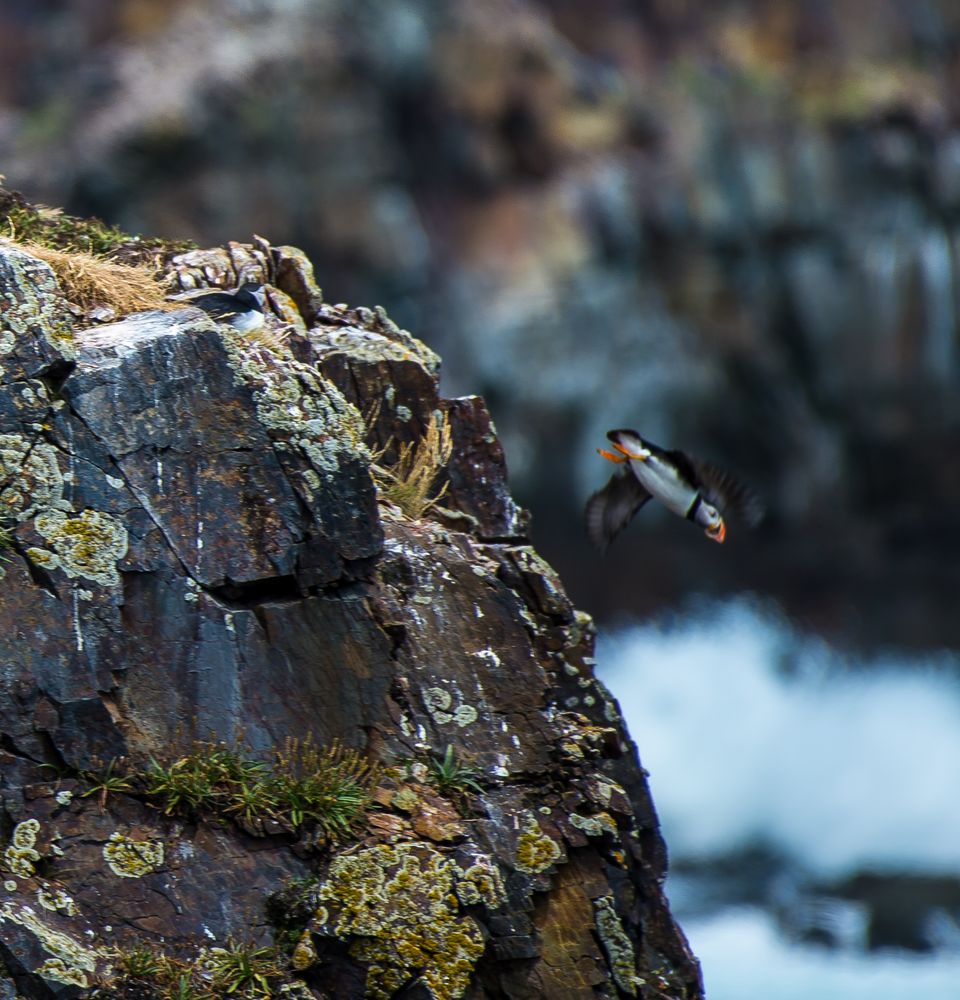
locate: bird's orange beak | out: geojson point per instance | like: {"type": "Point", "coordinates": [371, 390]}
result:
{"type": "Point", "coordinates": [609, 455]}
{"type": "Point", "coordinates": [719, 533]}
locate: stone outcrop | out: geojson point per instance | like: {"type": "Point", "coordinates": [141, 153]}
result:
{"type": "Point", "coordinates": [198, 551]}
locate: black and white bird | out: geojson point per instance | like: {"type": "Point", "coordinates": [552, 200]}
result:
{"type": "Point", "coordinates": [698, 491]}
{"type": "Point", "coordinates": [242, 309]}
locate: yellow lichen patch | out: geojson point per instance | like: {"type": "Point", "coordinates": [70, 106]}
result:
{"type": "Point", "coordinates": [88, 545]}
{"type": "Point", "coordinates": [480, 883]}
{"type": "Point", "coordinates": [594, 826]}
{"type": "Point", "coordinates": [58, 970]}
{"type": "Point", "coordinates": [31, 477]}
{"type": "Point", "coordinates": [132, 858]}
{"type": "Point", "coordinates": [25, 833]}
{"type": "Point", "coordinates": [56, 899]}
{"type": "Point", "coordinates": [71, 961]}
{"type": "Point", "coordinates": [304, 954]}
{"type": "Point", "coordinates": [536, 852]}
{"type": "Point", "coordinates": [401, 902]}
{"type": "Point", "coordinates": [617, 945]}
{"type": "Point", "coordinates": [20, 857]}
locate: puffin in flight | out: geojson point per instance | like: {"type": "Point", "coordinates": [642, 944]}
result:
{"type": "Point", "coordinates": [698, 491]}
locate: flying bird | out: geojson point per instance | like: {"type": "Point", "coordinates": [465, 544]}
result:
{"type": "Point", "coordinates": [242, 309]}
{"type": "Point", "coordinates": [698, 491]}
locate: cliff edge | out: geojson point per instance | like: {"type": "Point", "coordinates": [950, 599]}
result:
{"type": "Point", "coordinates": [266, 729]}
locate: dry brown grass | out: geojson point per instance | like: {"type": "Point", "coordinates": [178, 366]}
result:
{"type": "Point", "coordinates": [89, 280]}
{"type": "Point", "coordinates": [409, 482]}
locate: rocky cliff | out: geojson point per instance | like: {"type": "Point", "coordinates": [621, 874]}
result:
{"type": "Point", "coordinates": [207, 583]}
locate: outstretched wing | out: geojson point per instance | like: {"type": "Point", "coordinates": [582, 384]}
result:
{"type": "Point", "coordinates": [611, 509]}
{"type": "Point", "coordinates": [719, 488]}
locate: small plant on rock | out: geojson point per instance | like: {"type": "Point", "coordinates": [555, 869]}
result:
{"type": "Point", "coordinates": [107, 781]}
{"type": "Point", "coordinates": [244, 970]}
{"type": "Point", "coordinates": [328, 787]}
{"type": "Point", "coordinates": [409, 482]}
{"type": "Point", "coordinates": [450, 774]}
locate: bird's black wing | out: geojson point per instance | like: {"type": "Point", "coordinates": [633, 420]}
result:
{"type": "Point", "coordinates": [611, 509]}
{"type": "Point", "coordinates": [719, 488]}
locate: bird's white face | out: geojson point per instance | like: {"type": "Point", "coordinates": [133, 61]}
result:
{"type": "Point", "coordinates": [711, 521]}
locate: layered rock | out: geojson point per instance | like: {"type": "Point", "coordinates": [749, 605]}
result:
{"type": "Point", "coordinates": [199, 552]}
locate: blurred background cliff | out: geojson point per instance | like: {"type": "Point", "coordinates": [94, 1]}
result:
{"type": "Point", "coordinates": [732, 225]}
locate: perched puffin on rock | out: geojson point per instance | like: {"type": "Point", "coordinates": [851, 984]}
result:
{"type": "Point", "coordinates": [241, 309]}
{"type": "Point", "coordinates": [698, 491]}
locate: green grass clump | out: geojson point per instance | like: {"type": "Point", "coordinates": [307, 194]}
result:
{"type": "Point", "coordinates": [452, 775]}
{"type": "Point", "coordinates": [239, 970]}
{"type": "Point", "coordinates": [302, 789]}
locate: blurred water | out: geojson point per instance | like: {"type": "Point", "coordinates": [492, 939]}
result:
{"type": "Point", "coordinates": [757, 735]}
{"type": "Point", "coordinates": [744, 958]}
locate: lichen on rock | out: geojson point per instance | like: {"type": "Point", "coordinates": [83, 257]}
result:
{"type": "Point", "coordinates": [297, 402]}
{"type": "Point", "coordinates": [400, 905]}
{"type": "Point", "coordinates": [536, 851]}
{"type": "Point", "coordinates": [618, 946]}
{"type": "Point", "coordinates": [130, 858]}
{"type": "Point", "coordinates": [21, 855]}
{"type": "Point", "coordinates": [88, 545]}
{"type": "Point", "coordinates": [31, 477]}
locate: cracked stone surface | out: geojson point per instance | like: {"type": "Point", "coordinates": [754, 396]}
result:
{"type": "Point", "coordinates": [198, 551]}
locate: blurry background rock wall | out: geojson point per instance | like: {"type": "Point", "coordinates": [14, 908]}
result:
{"type": "Point", "coordinates": [733, 226]}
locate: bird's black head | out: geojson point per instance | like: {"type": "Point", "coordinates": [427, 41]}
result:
{"type": "Point", "coordinates": [252, 295]}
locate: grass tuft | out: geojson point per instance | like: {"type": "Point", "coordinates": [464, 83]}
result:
{"type": "Point", "coordinates": [452, 775]}
{"type": "Point", "coordinates": [90, 280]}
{"type": "Point", "coordinates": [304, 789]}
{"type": "Point", "coordinates": [409, 482]}
{"type": "Point", "coordinates": [239, 970]}
{"type": "Point", "coordinates": [329, 788]}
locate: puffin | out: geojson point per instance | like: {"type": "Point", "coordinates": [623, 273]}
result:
{"type": "Point", "coordinates": [697, 491]}
{"type": "Point", "coordinates": [243, 309]}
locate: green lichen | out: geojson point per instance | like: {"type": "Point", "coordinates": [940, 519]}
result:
{"type": "Point", "coordinates": [58, 970]}
{"type": "Point", "coordinates": [295, 402]}
{"type": "Point", "coordinates": [30, 472]}
{"type": "Point", "coordinates": [617, 945]}
{"type": "Point", "coordinates": [55, 899]}
{"type": "Point", "coordinates": [31, 302]}
{"type": "Point", "coordinates": [536, 852]}
{"type": "Point", "coordinates": [401, 905]}
{"type": "Point", "coordinates": [594, 826]}
{"type": "Point", "coordinates": [88, 545]}
{"type": "Point", "coordinates": [132, 858]}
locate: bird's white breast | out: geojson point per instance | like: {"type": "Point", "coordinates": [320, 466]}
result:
{"type": "Point", "coordinates": [661, 480]}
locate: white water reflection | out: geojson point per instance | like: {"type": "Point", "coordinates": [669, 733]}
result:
{"type": "Point", "coordinates": [753, 735]}
{"type": "Point", "coordinates": [743, 958]}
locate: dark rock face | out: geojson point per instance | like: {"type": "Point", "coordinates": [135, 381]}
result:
{"type": "Point", "coordinates": [199, 552]}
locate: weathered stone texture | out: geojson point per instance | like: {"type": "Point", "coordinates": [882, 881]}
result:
{"type": "Point", "coordinates": [199, 552]}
